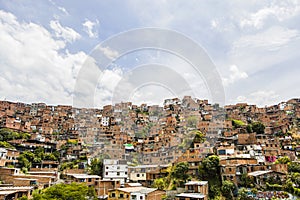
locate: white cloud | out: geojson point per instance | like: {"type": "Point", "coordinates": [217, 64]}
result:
{"type": "Point", "coordinates": [260, 98]}
{"type": "Point", "coordinates": [63, 10]}
{"type": "Point", "coordinates": [109, 53]}
{"type": "Point", "coordinates": [235, 75]}
{"type": "Point", "coordinates": [271, 39]}
{"type": "Point", "coordinates": [91, 28]}
{"type": "Point", "coordinates": [106, 85]}
{"type": "Point", "coordinates": [280, 11]}
{"type": "Point", "coordinates": [65, 33]}
{"type": "Point", "coordinates": [35, 67]}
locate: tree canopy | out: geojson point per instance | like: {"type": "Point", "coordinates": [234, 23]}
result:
{"type": "Point", "coordinates": [283, 160]}
{"type": "Point", "coordinates": [96, 166]}
{"type": "Point", "coordinates": [8, 134]}
{"type": "Point", "coordinates": [73, 191]}
{"type": "Point", "coordinates": [227, 189]}
{"type": "Point", "coordinates": [258, 127]}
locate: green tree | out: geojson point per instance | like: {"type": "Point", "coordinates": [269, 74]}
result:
{"type": "Point", "coordinates": [258, 127]}
{"type": "Point", "coordinates": [211, 165]}
{"type": "Point", "coordinates": [25, 160]}
{"type": "Point", "coordinates": [294, 167]}
{"type": "Point", "coordinates": [179, 172]}
{"type": "Point", "coordinates": [199, 137]}
{"type": "Point", "coordinates": [237, 123]}
{"type": "Point", "coordinates": [295, 177]}
{"type": "Point", "coordinates": [192, 121]}
{"type": "Point", "coordinates": [209, 170]}
{"type": "Point", "coordinates": [283, 160]}
{"type": "Point", "coordinates": [249, 128]}
{"type": "Point", "coordinates": [227, 189]}
{"type": "Point", "coordinates": [247, 181]}
{"type": "Point", "coordinates": [73, 191]}
{"type": "Point", "coordinates": [6, 145]}
{"type": "Point", "coordinates": [96, 166]}
{"type": "Point", "coordinates": [8, 134]}
{"type": "Point", "coordinates": [160, 183]}
{"type": "Point", "coordinates": [242, 194]}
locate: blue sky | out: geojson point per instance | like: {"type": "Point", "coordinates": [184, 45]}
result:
{"type": "Point", "coordinates": [254, 46]}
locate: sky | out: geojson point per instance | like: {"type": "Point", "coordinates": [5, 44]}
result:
{"type": "Point", "coordinates": [44, 46]}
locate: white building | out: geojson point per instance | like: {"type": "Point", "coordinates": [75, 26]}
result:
{"type": "Point", "coordinates": [3, 153]}
{"type": "Point", "coordinates": [105, 121]}
{"type": "Point", "coordinates": [115, 170]}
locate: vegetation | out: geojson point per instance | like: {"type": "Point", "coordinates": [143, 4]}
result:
{"type": "Point", "coordinates": [247, 181]}
{"type": "Point", "coordinates": [258, 127]}
{"type": "Point", "coordinates": [71, 191]}
{"type": "Point", "coordinates": [176, 177]}
{"type": "Point", "coordinates": [209, 171]}
{"type": "Point", "coordinates": [237, 123]}
{"type": "Point", "coordinates": [192, 121]}
{"type": "Point", "coordinates": [283, 160]}
{"type": "Point", "coordinates": [227, 189]}
{"type": "Point", "coordinates": [179, 173]}
{"type": "Point", "coordinates": [6, 145]}
{"type": "Point", "coordinates": [26, 158]}
{"type": "Point", "coordinates": [294, 167]}
{"type": "Point", "coordinates": [8, 134]}
{"type": "Point", "coordinates": [96, 166]}
{"type": "Point", "coordinates": [198, 137]}
{"type": "Point", "coordinates": [160, 183]}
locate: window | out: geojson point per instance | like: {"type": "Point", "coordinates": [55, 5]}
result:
{"type": "Point", "coordinates": [118, 173]}
{"type": "Point", "coordinates": [137, 175]}
{"type": "Point", "coordinates": [113, 195]}
{"type": "Point", "coordinates": [121, 195]}
{"type": "Point", "coordinates": [141, 197]}
{"type": "Point", "coordinates": [89, 180]}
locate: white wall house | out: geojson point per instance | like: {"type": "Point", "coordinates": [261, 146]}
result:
{"type": "Point", "coordinates": [105, 121]}
{"type": "Point", "coordinates": [115, 170]}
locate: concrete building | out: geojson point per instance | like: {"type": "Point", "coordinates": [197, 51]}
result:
{"type": "Point", "coordinates": [115, 170]}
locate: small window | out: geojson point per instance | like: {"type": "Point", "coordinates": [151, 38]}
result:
{"type": "Point", "coordinates": [89, 180]}
{"type": "Point", "coordinates": [121, 195]}
{"type": "Point", "coordinates": [137, 175]}
{"type": "Point", "coordinates": [118, 173]}
{"type": "Point", "coordinates": [113, 195]}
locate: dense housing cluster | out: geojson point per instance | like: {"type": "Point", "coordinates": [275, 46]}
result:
{"type": "Point", "coordinates": [125, 151]}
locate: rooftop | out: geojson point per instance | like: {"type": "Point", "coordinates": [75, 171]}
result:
{"type": "Point", "coordinates": [191, 195]}
{"type": "Point", "coordinates": [143, 190]}
{"type": "Point", "coordinates": [258, 173]}
{"type": "Point", "coordinates": [83, 176]}
{"type": "Point", "coordinates": [196, 183]}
